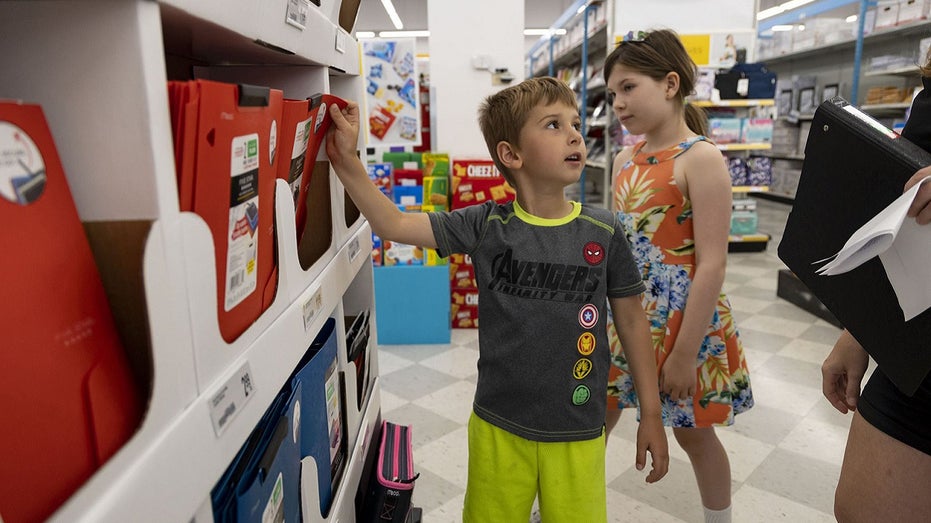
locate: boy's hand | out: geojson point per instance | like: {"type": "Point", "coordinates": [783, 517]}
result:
{"type": "Point", "coordinates": [342, 137]}
{"type": "Point", "coordinates": [651, 437]}
{"type": "Point", "coordinates": [921, 206]}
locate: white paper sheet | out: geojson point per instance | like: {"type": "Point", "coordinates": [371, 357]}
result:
{"type": "Point", "coordinates": [903, 247]}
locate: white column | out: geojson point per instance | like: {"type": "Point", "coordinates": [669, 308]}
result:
{"type": "Point", "coordinates": [459, 31]}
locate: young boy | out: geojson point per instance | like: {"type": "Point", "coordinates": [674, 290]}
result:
{"type": "Point", "coordinates": [546, 268]}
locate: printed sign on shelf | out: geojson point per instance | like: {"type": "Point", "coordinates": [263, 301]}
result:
{"type": "Point", "coordinates": [392, 92]}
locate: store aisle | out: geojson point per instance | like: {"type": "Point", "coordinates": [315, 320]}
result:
{"type": "Point", "coordinates": [785, 452]}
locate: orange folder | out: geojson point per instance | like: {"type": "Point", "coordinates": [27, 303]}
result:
{"type": "Point", "coordinates": [67, 395]}
{"type": "Point", "coordinates": [303, 129]}
{"type": "Point", "coordinates": [230, 183]}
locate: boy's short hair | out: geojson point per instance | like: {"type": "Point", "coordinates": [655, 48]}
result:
{"type": "Point", "coordinates": [502, 115]}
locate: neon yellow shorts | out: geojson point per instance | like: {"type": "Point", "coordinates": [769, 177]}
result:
{"type": "Point", "coordinates": [506, 472]}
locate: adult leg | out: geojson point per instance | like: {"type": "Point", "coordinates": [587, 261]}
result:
{"type": "Point", "coordinates": [709, 463]}
{"type": "Point", "coordinates": [881, 479]}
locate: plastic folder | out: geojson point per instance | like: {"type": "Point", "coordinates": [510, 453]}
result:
{"type": "Point", "coordinates": [67, 394]}
{"type": "Point", "coordinates": [226, 156]}
{"type": "Point", "coordinates": [262, 482]}
{"type": "Point", "coordinates": [303, 128]}
{"type": "Point", "coordinates": [854, 167]}
{"type": "Point", "coordinates": [323, 427]}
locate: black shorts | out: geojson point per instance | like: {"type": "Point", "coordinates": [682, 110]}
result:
{"type": "Point", "coordinates": [907, 419]}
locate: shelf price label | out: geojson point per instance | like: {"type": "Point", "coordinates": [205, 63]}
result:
{"type": "Point", "coordinates": [312, 307]}
{"type": "Point", "coordinates": [227, 402]}
{"type": "Point", "coordinates": [353, 249]}
{"type": "Point", "coordinates": [296, 13]}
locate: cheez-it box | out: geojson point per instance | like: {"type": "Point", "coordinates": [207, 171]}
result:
{"type": "Point", "coordinates": [477, 181]}
{"type": "Point", "coordinates": [461, 272]}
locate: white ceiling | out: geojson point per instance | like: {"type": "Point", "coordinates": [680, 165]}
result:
{"type": "Point", "coordinates": [413, 13]}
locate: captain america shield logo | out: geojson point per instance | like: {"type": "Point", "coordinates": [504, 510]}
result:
{"type": "Point", "coordinates": [588, 316]}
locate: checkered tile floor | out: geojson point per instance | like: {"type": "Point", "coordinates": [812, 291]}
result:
{"type": "Point", "coordinates": [785, 452]}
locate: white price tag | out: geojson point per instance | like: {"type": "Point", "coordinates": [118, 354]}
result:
{"type": "Point", "coordinates": [296, 14]}
{"type": "Point", "coordinates": [353, 249]}
{"type": "Point", "coordinates": [231, 398]}
{"type": "Point", "coordinates": [340, 42]}
{"type": "Point", "coordinates": [312, 307]}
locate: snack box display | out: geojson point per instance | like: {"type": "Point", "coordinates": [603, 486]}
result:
{"type": "Point", "coordinates": [436, 192]}
{"type": "Point", "coordinates": [381, 174]}
{"type": "Point", "coordinates": [461, 272]}
{"type": "Point", "coordinates": [435, 164]}
{"type": "Point", "coordinates": [464, 308]}
{"type": "Point", "coordinates": [477, 181]}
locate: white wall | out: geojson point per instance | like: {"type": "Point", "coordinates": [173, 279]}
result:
{"type": "Point", "coordinates": [684, 16]}
{"type": "Point", "coordinates": [458, 31]}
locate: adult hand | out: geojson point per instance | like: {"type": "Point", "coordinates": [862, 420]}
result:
{"type": "Point", "coordinates": [343, 135]}
{"type": "Point", "coordinates": [921, 206]}
{"type": "Point", "coordinates": [678, 377]}
{"type": "Point", "coordinates": [842, 372]}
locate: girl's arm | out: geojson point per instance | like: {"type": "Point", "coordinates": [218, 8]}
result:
{"type": "Point", "coordinates": [386, 219]}
{"type": "Point", "coordinates": [709, 189]}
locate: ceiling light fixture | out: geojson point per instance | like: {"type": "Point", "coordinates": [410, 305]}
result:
{"type": "Point", "coordinates": [392, 14]}
{"type": "Point", "coordinates": [781, 8]}
{"type": "Point", "coordinates": [402, 34]}
{"type": "Point", "coordinates": [365, 34]}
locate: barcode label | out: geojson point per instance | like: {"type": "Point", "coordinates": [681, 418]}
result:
{"type": "Point", "coordinates": [311, 307]}
{"type": "Point", "coordinates": [237, 280]}
{"type": "Point", "coordinates": [227, 402]}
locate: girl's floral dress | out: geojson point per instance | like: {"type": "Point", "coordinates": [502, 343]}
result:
{"type": "Point", "coordinates": [658, 220]}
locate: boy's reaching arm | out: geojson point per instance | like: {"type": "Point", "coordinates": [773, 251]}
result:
{"type": "Point", "coordinates": [633, 331]}
{"type": "Point", "coordinates": [387, 220]}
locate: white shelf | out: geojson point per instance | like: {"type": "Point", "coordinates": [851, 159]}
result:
{"type": "Point", "coordinates": [885, 108]}
{"type": "Point", "coordinates": [99, 69]}
{"type": "Point", "coordinates": [908, 29]}
{"type": "Point", "coordinates": [734, 103]}
{"type": "Point", "coordinates": [745, 146]}
{"type": "Point", "coordinates": [749, 188]}
{"type": "Point", "coordinates": [911, 70]}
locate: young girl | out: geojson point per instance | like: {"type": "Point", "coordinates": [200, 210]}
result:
{"type": "Point", "coordinates": [672, 192]}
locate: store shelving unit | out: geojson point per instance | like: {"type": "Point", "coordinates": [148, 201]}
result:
{"type": "Point", "coordinates": [839, 62]}
{"type": "Point", "coordinates": [746, 242]}
{"type": "Point", "coordinates": [581, 50]}
{"type": "Point", "coordinates": [99, 69]}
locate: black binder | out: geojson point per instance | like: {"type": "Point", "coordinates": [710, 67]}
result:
{"type": "Point", "coordinates": [854, 167]}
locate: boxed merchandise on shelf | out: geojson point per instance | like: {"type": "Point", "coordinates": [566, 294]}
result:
{"type": "Point", "coordinates": [887, 15]}
{"type": "Point", "coordinates": [475, 181]}
{"type": "Point", "coordinates": [756, 130]}
{"type": "Point", "coordinates": [913, 11]}
{"type": "Point", "coordinates": [724, 130]}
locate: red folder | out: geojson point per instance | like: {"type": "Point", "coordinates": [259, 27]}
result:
{"type": "Point", "coordinates": [67, 395]}
{"type": "Point", "coordinates": [237, 130]}
{"type": "Point", "coordinates": [304, 126]}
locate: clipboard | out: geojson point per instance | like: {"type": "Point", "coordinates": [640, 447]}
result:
{"type": "Point", "coordinates": [854, 167]}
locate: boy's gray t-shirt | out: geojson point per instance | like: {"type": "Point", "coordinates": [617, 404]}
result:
{"type": "Point", "coordinates": [543, 287]}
